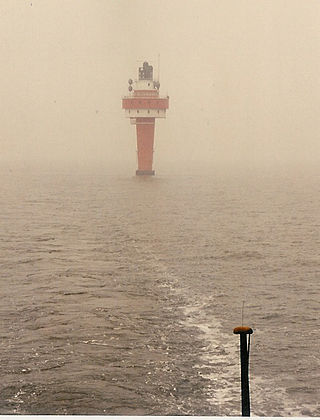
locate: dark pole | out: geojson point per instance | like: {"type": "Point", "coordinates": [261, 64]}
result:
{"type": "Point", "coordinates": [244, 357]}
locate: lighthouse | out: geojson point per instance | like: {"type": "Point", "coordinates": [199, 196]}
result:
{"type": "Point", "coordinates": [143, 105]}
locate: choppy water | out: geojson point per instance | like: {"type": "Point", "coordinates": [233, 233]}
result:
{"type": "Point", "coordinates": [119, 294]}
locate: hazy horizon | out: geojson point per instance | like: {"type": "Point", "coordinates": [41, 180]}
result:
{"type": "Point", "coordinates": [242, 76]}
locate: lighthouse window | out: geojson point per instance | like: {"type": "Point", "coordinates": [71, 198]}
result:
{"type": "Point", "coordinates": [137, 111]}
{"type": "Point", "coordinates": [148, 111]}
{"type": "Point", "coordinates": [158, 111]}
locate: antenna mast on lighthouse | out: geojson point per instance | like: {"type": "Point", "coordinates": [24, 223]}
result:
{"type": "Point", "coordinates": [143, 106]}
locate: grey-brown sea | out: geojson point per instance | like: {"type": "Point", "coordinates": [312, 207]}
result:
{"type": "Point", "coordinates": [119, 294]}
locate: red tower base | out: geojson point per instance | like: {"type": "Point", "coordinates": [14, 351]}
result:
{"type": "Point", "coordinates": [139, 172]}
{"type": "Point", "coordinates": [145, 141]}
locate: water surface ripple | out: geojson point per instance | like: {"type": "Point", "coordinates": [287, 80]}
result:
{"type": "Point", "coordinates": [119, 294]}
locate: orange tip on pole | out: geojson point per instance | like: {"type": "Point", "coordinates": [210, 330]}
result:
{"type": "Point", "coordinates": [242, 330]}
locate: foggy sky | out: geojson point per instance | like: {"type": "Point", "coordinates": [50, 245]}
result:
{"type": "Point", "coordinates": [242, 76]}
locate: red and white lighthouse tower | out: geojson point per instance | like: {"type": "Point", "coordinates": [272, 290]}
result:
{"type": "Point", "coordinates": [143, 106]}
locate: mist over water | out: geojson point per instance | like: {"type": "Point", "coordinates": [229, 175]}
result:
{"type": "Point", "coordinates": [243, 79]}
{"type": "Point", "coordinates": [120, 293]}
